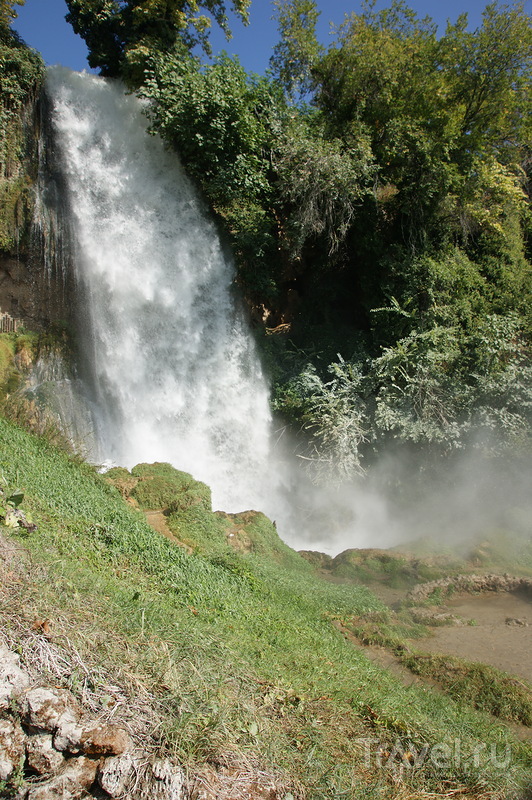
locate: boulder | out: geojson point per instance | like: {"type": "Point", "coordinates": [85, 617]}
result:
{"type": "Point", "coordinates": [45, 709]}
{"type": "Point", "coordinates": [104, 740]}
{"type": "Point", "coordinates": [41, 756]}
{"type": "Point", "coordinates": [93, 738]}
{"type": "Point", "coordinates": [123, 775]}
{"type": "Point", "coordinates": [116, 774]}
{"type": "Point", "coordinates": [12, 747]}
{"type": "Point", "coordinates": [68, 735]}
{"type": "Point", "coordinates": [517, 622]}
{"type": "Point", "coordinates": [162, 780]}
{"type": "Point", "coordinates": [13, 679]}
{"type": "Point", "coordinates": [70, 783]}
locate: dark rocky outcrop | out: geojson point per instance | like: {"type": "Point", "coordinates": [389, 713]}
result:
{"type": "Point", "coordinates": [35, 263]}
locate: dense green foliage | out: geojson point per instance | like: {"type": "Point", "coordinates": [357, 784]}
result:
{"type": "Point", "coordinates": [7, 12]}
{"type": "Point", "coordinates": [224, 124]}
{"type": "Point", "coordinates": [123, 34]}
{"type": "Point", "coordinates": [381, 224]}
{"type": "Point", "coordinates": [298, 48]}
{"type": "Point", "coordinates": [21, 71]}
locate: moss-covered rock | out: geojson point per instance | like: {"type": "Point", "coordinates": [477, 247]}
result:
{"type": "Point", "coordinates": [123, 480]}
{"type": "Point", "coordinates": [398, 570]}
{"type": "Point", "coordinates": [317, 559]}
{"type": "Point", "coordinates": [160, 469]}
{"type": "Point", "coordinates": [160, 485]}
{"type": "Point", "coordinates": [117, 474]}
{"type": "Point", "coordinates": [253, 532]}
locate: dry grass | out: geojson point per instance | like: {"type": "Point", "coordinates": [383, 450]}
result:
{"type": "Point", "coordinates": [60, 650]}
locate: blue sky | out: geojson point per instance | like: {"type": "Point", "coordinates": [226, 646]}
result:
{"type": "Point", "coordinates": [42, 25]}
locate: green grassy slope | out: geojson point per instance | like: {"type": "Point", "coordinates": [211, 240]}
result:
{"type": "Point", "coordinates": [238, 649]}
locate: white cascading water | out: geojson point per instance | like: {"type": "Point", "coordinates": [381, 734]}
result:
{"type": "Point", "coordinates": [170, 370]}
{"type": "Point", "coordinates": [173, 371]}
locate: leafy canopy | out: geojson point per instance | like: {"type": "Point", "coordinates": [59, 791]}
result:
{"type": "Point", "coordinates": [298, 49]}
{"type": "Point", "coordinates": [7, 12]}
{"type": "Point", "coordinates": [122, 34]}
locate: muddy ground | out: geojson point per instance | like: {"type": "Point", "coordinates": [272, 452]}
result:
{"type": "Point", "coordinates": [500, 633]}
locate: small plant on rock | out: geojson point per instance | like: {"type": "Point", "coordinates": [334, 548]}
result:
{"type": "Point", "coordinates": [10, 514]}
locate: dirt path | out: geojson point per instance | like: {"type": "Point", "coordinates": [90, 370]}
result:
{"type": "Point", "coordinates": [158, 522]}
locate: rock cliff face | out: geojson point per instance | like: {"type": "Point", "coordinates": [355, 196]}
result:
{"type": "Point", "coordinates": [37, 376]}
{"type": "Point", "coordinates": [34, 265]}
{"type": "Point", "coordinates": [19, 167]}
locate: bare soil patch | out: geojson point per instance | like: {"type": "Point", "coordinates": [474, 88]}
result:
{"type": "Point", "coordinates": [493, 639]}
{"type": "Point", "coordinates": [158, 522]}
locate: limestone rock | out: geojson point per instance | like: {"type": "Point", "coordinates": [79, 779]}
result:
{"type": "Point", "coordinates": [13, 680]}
{"type": "Point", "coordinates": [124, 776]}
{"type": "Point", "coordinates": [47, 708]}
{"type": "Point", "coordinates": [472, 584]}
{"type": "Point", "coordinates": [104, 740]}
{"type": "Point", "coordinates": [115, 774]}
{"type": "Point", "coordinates": [94, 739]}
{"type": "Point", "coordinates": [68, 735]}
{"type": "Point", "coordinates": [12, 747]}
{"type": "Point", "coordinates": [41, 755]}
{"type": "Point", "coordinates": [162, 780]}
{"type": "Point", "coordinates": [70, 783]}
{"type": "Point", "coordinates": [65, 753]}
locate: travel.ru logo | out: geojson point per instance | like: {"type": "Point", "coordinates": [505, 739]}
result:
{"type": "Point", "coordinates": [441, 756]}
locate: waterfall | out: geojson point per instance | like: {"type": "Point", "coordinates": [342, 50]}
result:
{"type": "Point", "coordinates": [169, 367]}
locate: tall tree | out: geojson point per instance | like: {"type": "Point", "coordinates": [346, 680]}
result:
{"type": "Point", "coordinates": [488, 75]}
{"type": "Point", "coordinates": [298, 48]}
{"type": "Point", "coordinates": [122, 34]}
